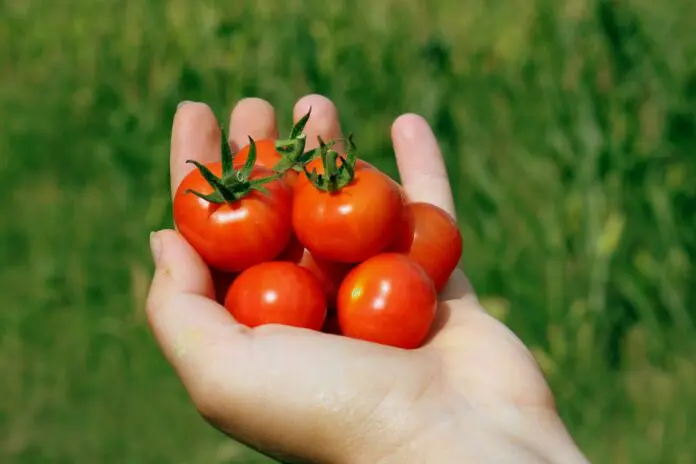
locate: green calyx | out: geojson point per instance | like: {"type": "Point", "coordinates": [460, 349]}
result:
{"type": "Point", "coordinates": [292, 148]}
{"type": "Point", "coordinates": [335, 176]}
{"type": "Point", "coordinates": [234, 184]}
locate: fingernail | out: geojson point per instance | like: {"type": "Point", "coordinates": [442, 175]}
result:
{"type": "Point", "coordinates": [182, 103]}
{"type": "Point", "coordinates": [155, 247]}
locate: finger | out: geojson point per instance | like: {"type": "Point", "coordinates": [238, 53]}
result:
{"type": "Point", "coordinates": [419, 159]}
{"type": "Point", "coordinates": [252, 117]}
{"type": "Point", "coordinates": [195, 135]}
{"type": "Point", "coordinates": [186, 321]}
{"type": "Point", "coordinates": [180, 274]}
{"type": "Point", "coordinates": [323, 122]}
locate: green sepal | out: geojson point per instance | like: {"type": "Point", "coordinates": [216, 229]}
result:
{"type": "Point", "coordinates": [234, 184]}
{"type": "Point", "coordinates": [292, 148]}
{"type": "Point", "coordinates": [335, 177]}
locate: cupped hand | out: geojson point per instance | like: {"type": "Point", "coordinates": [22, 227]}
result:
{"type": "Point", "coordinates": [472, 393]}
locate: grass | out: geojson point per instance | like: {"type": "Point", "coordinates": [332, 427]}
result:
{"type": "Point", "coordinates": [569, 129]}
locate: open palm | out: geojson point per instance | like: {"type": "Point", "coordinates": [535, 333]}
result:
{"type": "Point", "coordinates": [297, 394]}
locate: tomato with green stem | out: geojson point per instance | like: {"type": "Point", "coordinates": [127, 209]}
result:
{"type": "Point", "coordinates": [387, 299]}
{"type": "Point", "coordinates": [431, 237]}
{"type": "Point", "coordinates": [234, 218]}
{"type": "Point", "coordinates": [277, 292]}
{"type": "Point", "coordinates": [348, 213]}
{"type": "Point", "coordinates": [285, 156]}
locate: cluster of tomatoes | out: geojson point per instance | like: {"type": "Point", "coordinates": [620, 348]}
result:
{"type": "Point", "coordinates": [318, 239]}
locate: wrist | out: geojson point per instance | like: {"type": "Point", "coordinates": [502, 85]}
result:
{"type": "Point", "coordinates": [505, 435]}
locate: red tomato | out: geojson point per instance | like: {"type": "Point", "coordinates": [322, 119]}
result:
{"type": "Point", "coordinates": [277, 292]}
{"type": "Point", "coordinates": [329, 273]}
{"type": "Point", "coordinates": [267, 156]}
{"type": "Point", "coordinates": [293, 252]}
{"type": "Point", "coordinates": [431, 237]}
{"type": "Point", "coordinates": [352, 224]}
{"type": "Point", "coordinates": [387, 299]}
{"type": "Point", "coordinates": [233, 236]}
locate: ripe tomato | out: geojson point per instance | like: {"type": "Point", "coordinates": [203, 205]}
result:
{"type": "Point", "coordinates": [231, 236]}
{"type": "Point", "coordinates": [351, 224]}
{"type": "Point", "coordinates": [387, 299]}
{"type": "Point", "coordinates": [293, 252]}
{"type": "Point", "coordinates": [267, 156]}
{"type": "Point", "coordinates": [431, 237]}
{"type": "Point", "coordinates": [329, 273]}
{"type": "Point", "coordinates": [277, 292]}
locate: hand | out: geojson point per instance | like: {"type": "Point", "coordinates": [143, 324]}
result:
{"type": "Point", "coordinates": [472, 393]}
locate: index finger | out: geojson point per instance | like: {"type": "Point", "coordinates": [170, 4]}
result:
{"type": "Point", "coordinates": [195, 135]}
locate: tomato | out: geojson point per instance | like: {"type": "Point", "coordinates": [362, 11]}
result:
{"type": "Point", "coordinates": [267, 156]}
{"type": "Point", "coordinates": [351, 224]}
{"type": "Point", "coordinates": [329, 273]}
{"type": "Point", "coordinates": [388, 299]}
{"type": "Point", "coordinates": [293, 252]}
{"type": "Point", "coordinates": [231, 236]}
{"type": "Point", "coordinates": [431, 237]}
{"type": "Point", "coordinates": [277, 292]}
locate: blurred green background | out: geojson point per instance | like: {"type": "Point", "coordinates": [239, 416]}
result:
{"type": "Point", "coordinates": [569, 128]}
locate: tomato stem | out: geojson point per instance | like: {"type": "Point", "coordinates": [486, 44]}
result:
{"type": "Point", "coordinates": [234, 184]}
{"type": "Point", "coordinates": [335, 177]}
{"type": "Point", "coordinates": [227, 156]}
{"type": "Point", "coordinates": [292, 148]}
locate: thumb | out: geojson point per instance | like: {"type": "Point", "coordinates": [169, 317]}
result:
{"type": "Point", "coordinates": [191, 329]}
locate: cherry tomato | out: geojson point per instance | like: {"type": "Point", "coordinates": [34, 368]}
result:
{"type": "Point", "coordinates": [277, 292]}
{"type": "Point", "coordinates": [329, 273]}
{"type": "Point", "coordinates": [232, 236]}
{"type": "Point", "coordinates": [267, 156]}
{"type": "Point", "coordinates": [431, 237]}
{"type": "Point", "coordinates": [388, 299]}
{"type": "Point", "coordinates": [351, 224]}
{"type": "Point", "coordinates": [293, 252]}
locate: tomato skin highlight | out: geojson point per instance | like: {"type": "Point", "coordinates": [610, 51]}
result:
{"type": "Point", "coordinates": [431, 237]}
{"type": "Point", "coordinates": [231, 237]}
{"type": "Point", "coordinates": [388, 299]}
{"type": "Point", "coordinates": [267, 156]}
{"type": "Point", "coordinates": [277, 292]}
{"type": "Point", "coordinates": [352, 224]}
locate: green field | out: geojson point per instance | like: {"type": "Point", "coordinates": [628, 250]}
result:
{"type": "Point", "coordinates": [570, 133]}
